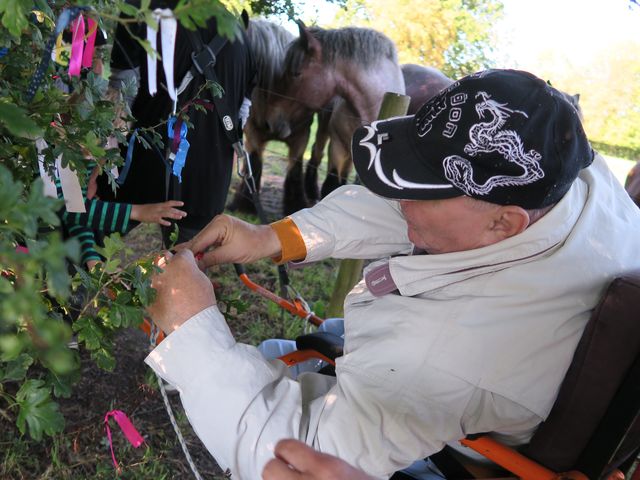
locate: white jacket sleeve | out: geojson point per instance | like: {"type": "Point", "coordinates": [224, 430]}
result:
{"type": "Point", "coordinates": [238, 403]}
{"type": "Point", "coordinates": [352, 222]}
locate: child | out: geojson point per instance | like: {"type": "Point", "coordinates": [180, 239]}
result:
{"type": "Point", "coordinates": [110, 217]}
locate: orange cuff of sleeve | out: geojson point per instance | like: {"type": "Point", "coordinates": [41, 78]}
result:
{"type": "Point", "coordinates": [293, 247]}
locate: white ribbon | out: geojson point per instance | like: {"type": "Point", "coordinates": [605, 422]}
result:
{"type": "Point", "coordinates": [168, 27]}
{"type": "Point", "coordinates": [151, 61]}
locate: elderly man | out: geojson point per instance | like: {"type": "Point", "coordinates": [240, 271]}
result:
{"type": "Point", "coordinates": [495, 230]}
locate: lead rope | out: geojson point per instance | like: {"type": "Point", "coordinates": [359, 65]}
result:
{"type": "Point", "coordinates": [152, 343]}
{"type": "Point", "coordinates": [297, 298]}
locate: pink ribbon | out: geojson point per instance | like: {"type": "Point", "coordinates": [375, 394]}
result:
{"type": "Point", "coordinates": [81, 55]}
{"type": "Point", "coordinates": [87, 56]}
{"type": "Point", "coordinates": [127, 428]}
{"type": "Point", "coordinates": [77, 46]}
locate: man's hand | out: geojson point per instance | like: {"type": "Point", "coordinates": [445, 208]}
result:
{"type": "Point", "coordinates": [297, 461]}
{"type": "Point", "coordinates": [182, 291]}
{"type": "Point", "coordinates": [157, 212]}
{"type": "Point", "coordinates": [228, 239]}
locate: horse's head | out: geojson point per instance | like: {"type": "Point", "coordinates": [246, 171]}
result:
{"type": "Point", "coordinates": [307, 79]}
{"type": "Point", "coordinates": [272, 112]}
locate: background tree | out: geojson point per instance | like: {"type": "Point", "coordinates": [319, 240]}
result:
{"type": "Point", "coordinates": [454, 36]}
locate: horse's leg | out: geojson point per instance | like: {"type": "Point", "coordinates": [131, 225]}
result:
{"type": "Point", "coordinates": [243, 200]}
{"type": "Point", "coordinates": [294, 197]}
{"type": "Point", "coordinates": [336, 158]}
{"type": "Point", "coordinates": [343, 161]}
{"type": "Point", "coordinates": [311, 175]}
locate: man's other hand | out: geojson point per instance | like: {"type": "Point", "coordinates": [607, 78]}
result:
{"type": "Point", "coordinates": [297, 461]}
{"type": "Point", "coordinates": [182, 291]}
{"type": "Point", "coordinates": [228, 239]}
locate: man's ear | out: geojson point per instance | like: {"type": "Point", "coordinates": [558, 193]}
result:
{"type": "Point", "coordinates": [509, 220]}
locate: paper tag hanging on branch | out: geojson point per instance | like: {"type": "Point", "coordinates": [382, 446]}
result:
{"type": "Point", "coordinates": [127, 428]}
{"type": "Point", "coordinates": [71, 190]}
{"type": "Point", "coordinates": [47, 180]}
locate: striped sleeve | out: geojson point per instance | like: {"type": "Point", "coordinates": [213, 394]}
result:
{"type": "Point", "coordinates": [87, 243]}
{"type": "Point", "coordinates": [106, 217]}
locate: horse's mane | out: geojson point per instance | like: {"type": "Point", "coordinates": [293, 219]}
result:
{"type": "Point", "coordinates": [364, 46]}
{"type": "Point", "coordinates": [268, 43]}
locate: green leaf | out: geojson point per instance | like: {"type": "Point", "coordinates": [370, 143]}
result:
{"type": "Point", "coordinates": [5, 286]}
{"type": "Point", "coordinates": [41, 206]}
{"type": "Point", "coordinates": [88, 332]}
{"type": "Point", "coordinates": [10, 191]}
{"type": "Point", "coordinates": [173, 236]}
{"type": "Point", "coordinates": [127, 9]}
{"type": "Point", "coordinates": [125, 315]}
{"type": "Point", "coordinates": [17, 369]}
{"type": "Point", "coordinates": [17, 122]}
{"type": "Point", "coordinates": [15, 15]}
{"type": "Point", "coordinates": [104, 359]}
{"type": "Point", "coordinates": [62, 384]}
{"type": "Point", "coordinates": [37, 411]}
{"type": "Point", "coordinates": [113, 244]}
{"type": "Point", "coordinates": [11, 346]}
{"type": "Point", "coordinates": [93, 143]}
{"type": "Point", "coordinates": [60, 359]}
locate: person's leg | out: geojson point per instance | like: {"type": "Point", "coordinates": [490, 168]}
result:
{"type": "Point", "coordinates": [333, 325]}
{"type": "Point", "coordinates": [275, 348]}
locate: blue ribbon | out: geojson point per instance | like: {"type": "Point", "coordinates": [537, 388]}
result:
{"type": "Point", "coordinates": [3, 51]}
{"type": "Point", "coordinates": [64, 19]}
{"type": "Point", "coordinates": [180, 156]}
{"type": "Point", "coordinates": [127, 161]}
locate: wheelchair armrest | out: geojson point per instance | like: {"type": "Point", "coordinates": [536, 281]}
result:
{"type": "Point", "coordinates": [326, 343]}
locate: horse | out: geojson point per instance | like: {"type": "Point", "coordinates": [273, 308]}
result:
{"type": "Point", "coordinates": [357, 65]}
{"type": "Point", "coordinates": [268, 42]}
{"type": "Point", "coordinates": [422, 83]}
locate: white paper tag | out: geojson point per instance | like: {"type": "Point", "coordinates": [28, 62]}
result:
{"type": "Point", "coordinates": [71, 190]}
{"type": "Point", "coordinates": [47, 180]}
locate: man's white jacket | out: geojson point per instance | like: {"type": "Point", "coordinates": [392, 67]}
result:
{"type": "Point", "coordinates": [471, 341]}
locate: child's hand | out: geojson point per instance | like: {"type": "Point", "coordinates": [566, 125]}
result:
{"type": "Point", "coordinates": [157, 212]}
{"type": "Point", "coordinates": [92, 183]}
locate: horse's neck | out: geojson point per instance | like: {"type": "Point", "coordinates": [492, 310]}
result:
{"type": "Point", "coordinates": [363, 90]}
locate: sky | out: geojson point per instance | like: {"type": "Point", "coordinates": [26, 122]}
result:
{"type": "Point", "coordinates": [574, 29]}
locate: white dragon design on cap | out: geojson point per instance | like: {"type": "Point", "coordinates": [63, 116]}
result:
{"type": "Point", "coordinates": [487, 137]}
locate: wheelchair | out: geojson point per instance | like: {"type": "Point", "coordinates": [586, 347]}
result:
{"type": "Point", "coordinates": [593, 430]}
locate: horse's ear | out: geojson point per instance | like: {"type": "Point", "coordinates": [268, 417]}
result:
{"type": "Point", "coordinates": [577, 97]}
{"type": "Point", "coordinates": [310, 43]}
{"type": "Point", "coordinates": [245, 18]}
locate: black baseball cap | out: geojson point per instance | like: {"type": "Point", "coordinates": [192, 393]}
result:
{"type": "Point", "coordinates": [502, 136]}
